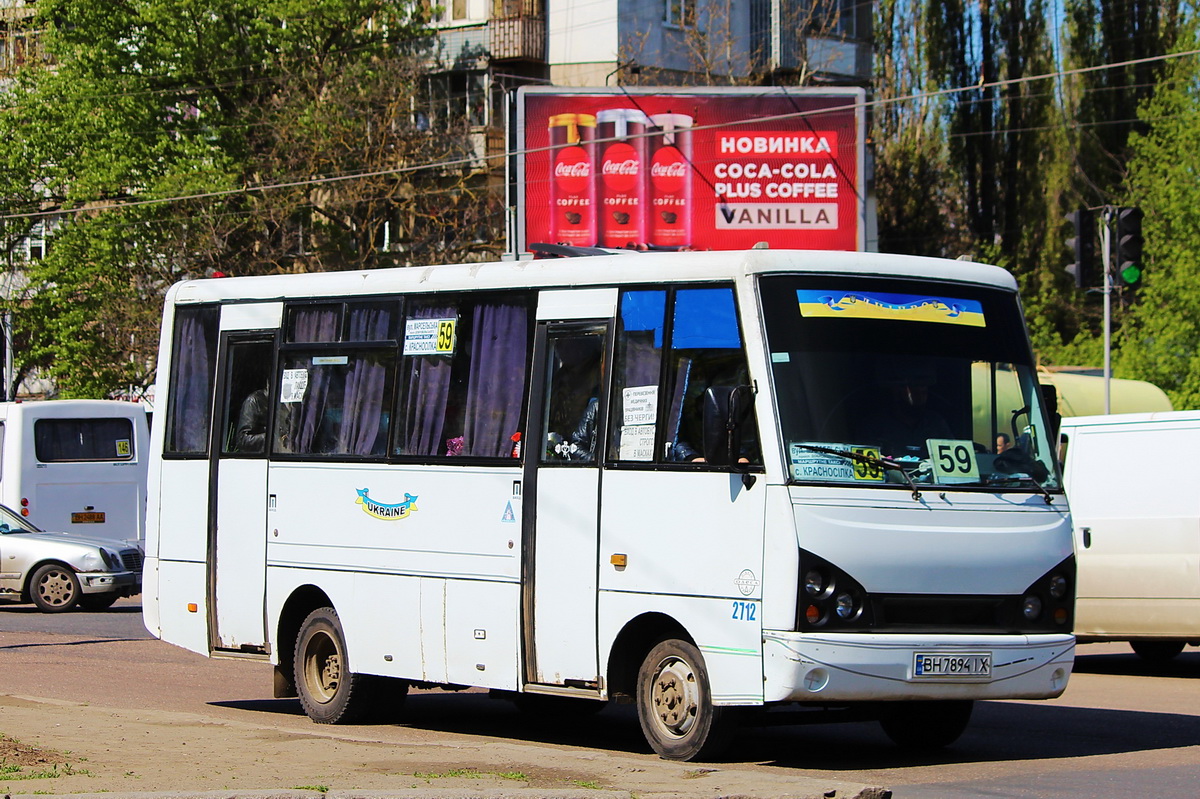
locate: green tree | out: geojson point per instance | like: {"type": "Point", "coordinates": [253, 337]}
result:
{"type": "Point", "coordinates": [1160, 341]}
{"type": "Point", "coordinates": [288, 125]}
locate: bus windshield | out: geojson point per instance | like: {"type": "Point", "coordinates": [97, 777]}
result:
{"type": "Point", "coordinates": [891, 381]}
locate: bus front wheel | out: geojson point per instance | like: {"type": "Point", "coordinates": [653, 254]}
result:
{"type": "Point", "coordinates": [925, 725]}
{"type": "Point", "coordinates": [674, 702]}
{"type": "Point", "coordinates": [329, 692]}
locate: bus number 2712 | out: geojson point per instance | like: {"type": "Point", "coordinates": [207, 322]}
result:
{"type": "Point", "coordinates": [744, 611]}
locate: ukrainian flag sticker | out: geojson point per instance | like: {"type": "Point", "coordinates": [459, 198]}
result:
{"type": "Point", "coordinates": [880, 305]}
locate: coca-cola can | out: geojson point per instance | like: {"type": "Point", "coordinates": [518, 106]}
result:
{"type": "Point", "coordinates": [572, 179]}
{"type": "Point", "coordinates": [622, 184]}
{"type": "Point", "coordinates": [670, 215]}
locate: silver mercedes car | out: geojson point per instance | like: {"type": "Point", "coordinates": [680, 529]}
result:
{"type": "Point", "coordinates": [57, 571]}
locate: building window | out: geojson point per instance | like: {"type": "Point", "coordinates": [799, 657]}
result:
{"type": "Point", "coordinates": [680, 13]}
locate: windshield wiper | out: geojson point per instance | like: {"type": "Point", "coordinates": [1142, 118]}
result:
{"type": "Point", "coordinates": [869, 460]}
{"type": "Point", "coordinates": [1022, 478]}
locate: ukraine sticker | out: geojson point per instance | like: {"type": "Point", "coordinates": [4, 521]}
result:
{"type": "Point", "coordinates": [881, 305]}
{"type": "Point", "coordinates": [380, 510]}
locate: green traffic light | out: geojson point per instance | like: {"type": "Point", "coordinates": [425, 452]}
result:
{"type": "Point", "coordinates": [1131, 273]}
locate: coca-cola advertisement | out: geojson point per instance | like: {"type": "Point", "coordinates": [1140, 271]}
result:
{"type": "Point", "coordinates": [691, 169]}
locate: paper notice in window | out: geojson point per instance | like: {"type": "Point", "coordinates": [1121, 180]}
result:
{"type": "Point", "coordinates": [640, 404]}
{"type": "Point", "coordinates": [430, 336]}
{"type": "Point", "coordinates": [637, 443]}
{"type": "Point", "coordinates": [293, 385]}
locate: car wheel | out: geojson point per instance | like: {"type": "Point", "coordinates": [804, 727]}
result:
{"type": "Point", "coordinates": [329, 692]}
{"type": "Point", "coordinates": [1156, 651]}
{"type": "Point", "coordinates": [97, 601]}
{"type": "Point", "coordinates": [674, 703]}
{"type": "Point", "coordinates": [54, 588]}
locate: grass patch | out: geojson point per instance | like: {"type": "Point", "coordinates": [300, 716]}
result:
{"type": "Point", "coordinates": [595, 786]}
{"type": "Point", "coordinates": [11, 771]}
{"type": "Point", "coordinates": [318, 788]}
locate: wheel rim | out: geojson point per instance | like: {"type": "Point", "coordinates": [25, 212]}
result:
{"type": "Point", "coordinates": [675, 696]}
{"type": "Point", "coordinates": [55, 588]}
{"type": "Point", "coordinates": [322, 667]}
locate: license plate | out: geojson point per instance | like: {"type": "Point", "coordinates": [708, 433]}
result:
{"type": "Point", "coordinates": [956, 664]}
{"type": "Point", "coordinates": [88, 517]}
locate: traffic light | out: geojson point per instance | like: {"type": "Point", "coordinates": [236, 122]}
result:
{"type": "Point", "coordinates": [1083, 247]}
{"type": "Point", "coordinates": [1128, 261]}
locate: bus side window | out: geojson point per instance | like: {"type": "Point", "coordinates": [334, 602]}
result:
{"type": "Point", "coordinates": [639, 341]}
{"type": "Point", "coordinates": [706, 352]}
{"type": "Point", "coordinates": [333, 400]}
{"type": "Point", "coordinates": [463, 372]}
{"type": "Point", "coordinates": [193, 368]}
{"type": "Point", "coordinates": [247, 397]}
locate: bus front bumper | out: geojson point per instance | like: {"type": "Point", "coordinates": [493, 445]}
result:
{"type": "Point", "coordinates": [884, 667]}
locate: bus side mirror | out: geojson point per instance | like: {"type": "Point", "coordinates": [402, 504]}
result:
{"type": "Point", "coordinates": [1050, 403]}
{"type": "Point", "coordinates": [725, 409]}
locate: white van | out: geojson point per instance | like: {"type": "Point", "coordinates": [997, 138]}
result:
{"type": "Point", "coordinates": [1133, 481]}
{"type": "Point", "coordinates": [76, 466]}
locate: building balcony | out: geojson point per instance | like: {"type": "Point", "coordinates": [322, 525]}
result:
{"type": "Point", "coordinates": [520, 37]}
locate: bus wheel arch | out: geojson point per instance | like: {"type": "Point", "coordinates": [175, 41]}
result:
{"type": "Point", "coordinates": [303, 601]}
{"type": "Point", "coordinates": [630, 648]}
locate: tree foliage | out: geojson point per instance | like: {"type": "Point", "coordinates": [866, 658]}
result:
{"type": "Point", "coordinates": [288, 126]}
{"type": "Point", "coordinates": [1034, 117]}
{"type": "Point", "coordinates": [1160, 341]}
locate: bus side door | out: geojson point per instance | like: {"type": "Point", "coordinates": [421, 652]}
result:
{"type": "Point", "coordinates": [238, 527]}
{"type": "Point", "coordinates": [562, 484]}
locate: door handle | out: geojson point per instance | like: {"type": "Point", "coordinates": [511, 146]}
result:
{"type": "Point", "coordinates": [1087, 536]}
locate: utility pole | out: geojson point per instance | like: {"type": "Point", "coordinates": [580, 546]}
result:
{"type": "Point", "coordinates": [1106, 261]}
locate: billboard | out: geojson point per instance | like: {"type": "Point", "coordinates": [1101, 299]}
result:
{"type": "Point", "coordinates": [701, 169]}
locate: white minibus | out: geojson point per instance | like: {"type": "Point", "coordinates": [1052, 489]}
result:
{"type": "Point", "coordinates": [1137, 528]}
{"type": "Point", "coordinates": [76, 466]}
{"type": "Point", "coordinates": [706, 483]}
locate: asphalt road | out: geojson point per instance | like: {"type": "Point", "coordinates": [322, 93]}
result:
{"type": "Point", "coordinates": [1122, 728]}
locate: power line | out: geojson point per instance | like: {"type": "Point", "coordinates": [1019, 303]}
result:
{"type": "Point", "coordinates": [474, 159]}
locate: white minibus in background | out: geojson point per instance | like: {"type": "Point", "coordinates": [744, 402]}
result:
{"type": "Point", "coordinates": [1133, 480]}
{"type": "Point", "coordinates": [76, 466]}
{"type": "Point", "coordinates": [706, 483]}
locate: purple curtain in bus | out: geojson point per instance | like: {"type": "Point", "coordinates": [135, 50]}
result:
{"type": "Point", "coordinates": [427, 394]}
{"type": "Point", "coordinates": [496, 385]}
{"type": "Point", "coordinates": [362, 409]}
{"type": "Point", "coordinates": [192, 380]}
{"type": "Point", "coordinates": [319, 323]}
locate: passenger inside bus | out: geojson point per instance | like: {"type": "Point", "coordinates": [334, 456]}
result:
{"type": "Point", "coordinates": [904, 418]}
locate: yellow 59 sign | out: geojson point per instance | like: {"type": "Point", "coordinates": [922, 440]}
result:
{"type": "Point", "coordinates": [864, 470]}
{"type": "Point", "coordinates": [953, 460]}
{"type": "Point", "coordinates": [445, 335]}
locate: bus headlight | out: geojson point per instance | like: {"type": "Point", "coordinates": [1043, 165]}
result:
{"type": "Point", "coordinates": [814, 583]}
{"type": "Point", "coordinates": [1058, 586]}
{"type": "Point", "coordinates": [829, 598]}
{"type": "Point", "coordinates": [844, 606]}
{"type": "Point", "coordinates": [1031, 608]}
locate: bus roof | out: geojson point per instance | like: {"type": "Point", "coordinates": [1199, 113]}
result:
{"type": "Point", "coordinates": [592, 270]}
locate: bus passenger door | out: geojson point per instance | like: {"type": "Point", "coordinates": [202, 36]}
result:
{"type": "Point", "coordinates": [562, 482]}
{"type": "Point", "coordinates": [237, 547]}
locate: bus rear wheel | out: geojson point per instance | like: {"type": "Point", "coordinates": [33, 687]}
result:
{"type": "Point", "coordinates": [924, 726]}
{"type": "Point", "coordinates": [674, 702]}
{"type": "Point", "coordinates": [329, 692]}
